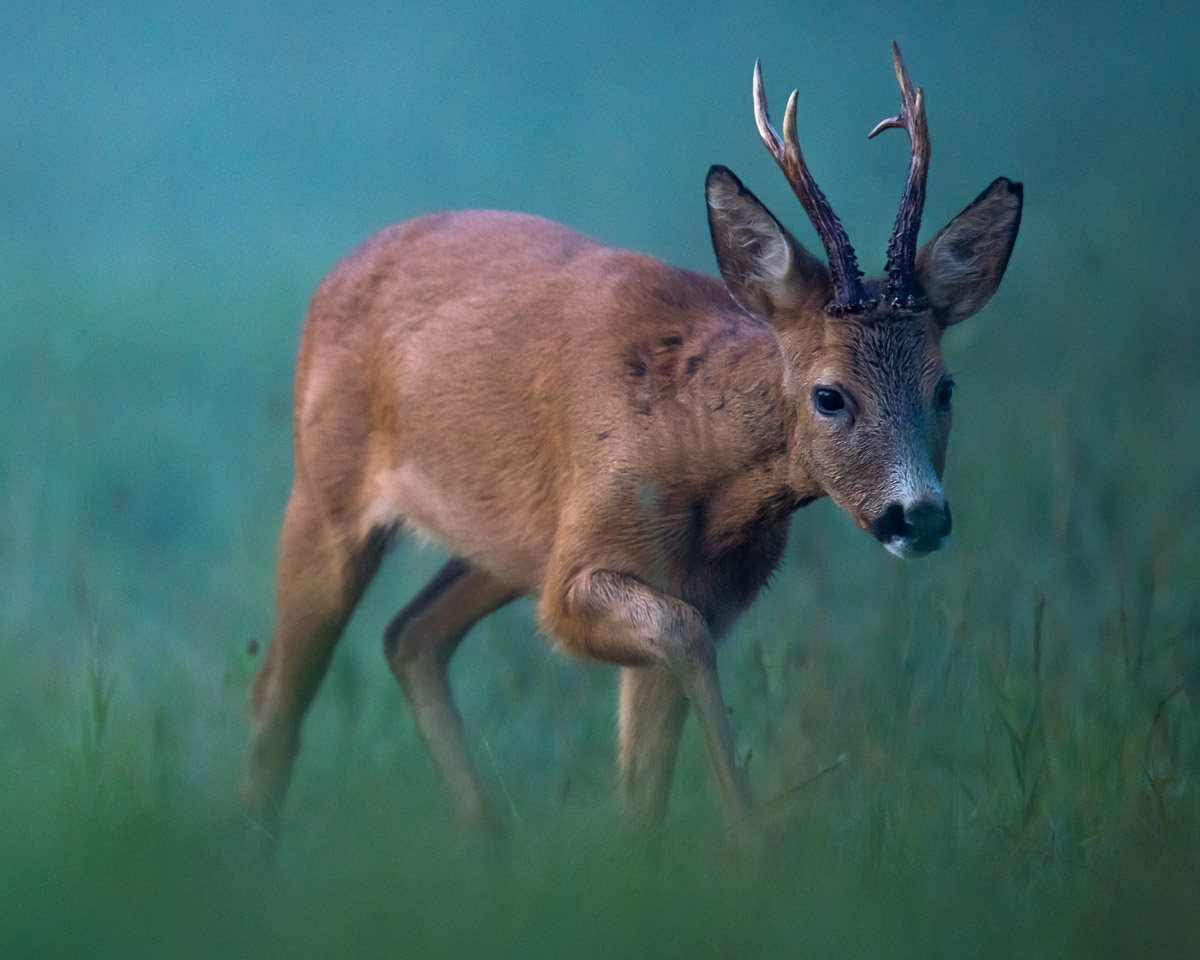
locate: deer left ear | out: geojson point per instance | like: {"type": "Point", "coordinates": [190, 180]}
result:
{"type": "Point", "coordinates": [765, 270]}
{"type": "Point", "coordinates": [961, 267]}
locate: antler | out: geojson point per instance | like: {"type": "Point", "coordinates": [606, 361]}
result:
{"type": "Point", "coordinates": [903, 288]}
{"type": "Point", "coordinates": [849, 293]}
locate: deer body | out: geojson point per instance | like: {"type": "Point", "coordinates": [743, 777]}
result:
{"type": "Point", "coordinates": [621, 439]}
{"type": "Point", "coordinates": [482, 405]}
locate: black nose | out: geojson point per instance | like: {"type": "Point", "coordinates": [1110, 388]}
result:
{"type": "Point", "coordinates": [922, 526]}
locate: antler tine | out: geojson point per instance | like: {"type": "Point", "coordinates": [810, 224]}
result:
{"type": "Point", "coordinates": [902, 248]}
{"type": "Point", "coordinates": [849, 294]}
{"type": "Point", "coordinates": [791, 142]}
{"type": "Point", "coordinates": [763, 119]}
{"type": "Point", "coordinates": [911, 100]}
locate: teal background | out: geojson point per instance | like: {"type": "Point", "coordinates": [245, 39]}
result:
{"type": "Point", "coordinates": [1018, 717]}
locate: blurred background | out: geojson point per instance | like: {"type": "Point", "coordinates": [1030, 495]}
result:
{"type": "Point", "coordinates": [992, 744]}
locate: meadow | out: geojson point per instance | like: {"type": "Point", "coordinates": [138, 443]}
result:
{"type": "Point", "coordinates": [993, 752]}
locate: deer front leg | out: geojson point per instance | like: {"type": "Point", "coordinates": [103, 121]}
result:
{"type": "Point", "coordinates": [614, 617]}
{"type": "Point", "coordinates": [652, 711]}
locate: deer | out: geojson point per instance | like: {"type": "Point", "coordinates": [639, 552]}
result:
{"type": "Point", "coordinates": [622, 440]}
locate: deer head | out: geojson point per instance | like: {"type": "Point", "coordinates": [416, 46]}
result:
{"type": "Point", "coordinates": [865, 371]}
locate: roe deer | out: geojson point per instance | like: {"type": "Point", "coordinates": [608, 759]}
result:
{"type": "Point", "coordinates": [623, 440]}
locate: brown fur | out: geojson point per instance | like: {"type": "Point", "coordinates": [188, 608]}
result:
{"type": "Point", "coordinates": [616, 437]}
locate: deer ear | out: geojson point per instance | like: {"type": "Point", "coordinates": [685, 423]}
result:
{"type": "Point", "coordinates": [961, 267]}
{"type": "Point", "coordinates": [764, 268]}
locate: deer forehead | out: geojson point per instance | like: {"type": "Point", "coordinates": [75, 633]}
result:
{"type": "Point", "coordinates": [887, 361]}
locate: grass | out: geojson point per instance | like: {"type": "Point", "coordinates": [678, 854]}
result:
{"type": "Point", "coordinates": [991, 753]}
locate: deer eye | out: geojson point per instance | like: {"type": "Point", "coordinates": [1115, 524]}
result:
{"type": "Point", "coordinates": [944, 393]}
{"type": "Point", "coordinates": [828, 401]}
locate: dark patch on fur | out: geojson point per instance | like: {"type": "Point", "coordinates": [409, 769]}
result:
{"type": "Point", "coordinates": [722, 587]}
{"type": "Point", "coordinates": [775, 508]}
{"type": "Point", "coordinates": [963, 248]}
{"type": "Point", "coordinates": [697, 526]}
{"type": "Point", "coordinates": [603, 435]}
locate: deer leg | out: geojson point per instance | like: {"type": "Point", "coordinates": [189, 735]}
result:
{"type": "Point", "coordinates": [319, 580]}
{"type": "Point", "coordinates": [418, 644]}
{"type": "Point", "coordinates": [653, 708]}
{"type": "Point", "coordinates": [615, 617]}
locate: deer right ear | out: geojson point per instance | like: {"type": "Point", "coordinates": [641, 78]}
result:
{"type": "Point", "coordinates": [962, 266]}
{"type": "Point", "coordinates": [765, 270]}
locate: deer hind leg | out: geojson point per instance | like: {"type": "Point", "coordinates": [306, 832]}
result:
{"type": "Point", "coordinates": [615, 617]}
{"type": "Point", "coordinates": [419, 643]}
{"type": "Point", "coordinates": [653, 708]}
{"type": "Point", "coordinates": [321, 576]}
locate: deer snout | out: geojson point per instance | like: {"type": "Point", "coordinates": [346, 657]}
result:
{"type": "Point", "coordinates": [914, 530]}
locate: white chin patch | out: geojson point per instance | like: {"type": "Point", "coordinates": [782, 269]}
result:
{"type": "Point", "coordinates": [899, 547]}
